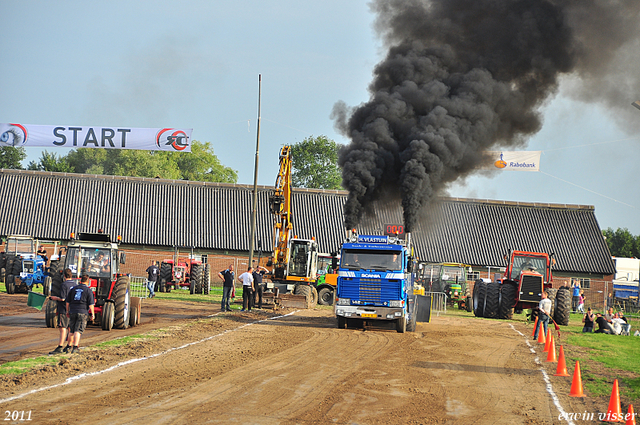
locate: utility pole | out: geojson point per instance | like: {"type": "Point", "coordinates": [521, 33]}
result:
{"type": "Point", "coordinates": [254, 210]}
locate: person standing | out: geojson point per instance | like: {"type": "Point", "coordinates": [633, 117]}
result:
{"type": "Point", "coordinates": [258, 274]}
{"type": "Point", "coordinates": [153, 272]}
{"type": "Point", "coordinates": [227, 286]}
{"type": "Point", "coordinates": [247, 289]}
{"type": "Point", "coordinates": [544, 312]}
{"type": "Point", "coordinates": [80, 303]}
{"type": "Point", "coordinates": [576, 295]}
{"type": "Point", "coordinates": [61, 312]}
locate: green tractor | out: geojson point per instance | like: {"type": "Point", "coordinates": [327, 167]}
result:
{"type": "Point", "coordinates": [450, 279]}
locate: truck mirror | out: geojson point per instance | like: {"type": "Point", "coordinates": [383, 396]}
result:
{"type": "Point", "coordinates": [123, 257]}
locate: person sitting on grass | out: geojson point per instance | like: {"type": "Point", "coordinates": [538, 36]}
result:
{"type": "Point", "coordinates": [588, 320]}
{"type": "Point", "coordinates": [603, 326]}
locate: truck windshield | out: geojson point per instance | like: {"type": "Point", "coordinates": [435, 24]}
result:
{"type": "Point", "coordinates": [371, 260]}
{"type": "Point", "coordinates": [20, 246]}
{"type": "Point", "coordinates": [529, 263]}
{"type": "Point", "coordinates": [90, 261]}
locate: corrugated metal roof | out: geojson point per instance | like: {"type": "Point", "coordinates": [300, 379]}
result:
{"type": "Point", "coordinates": [217, 216]}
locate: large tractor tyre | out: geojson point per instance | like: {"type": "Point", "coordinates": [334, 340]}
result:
{"type": "Point", "coordinates": [342, 322]}
{"type": "Point", "coordinates": [134, 312]}
{"type": "Point", "coordinates": [314, 297]}
{"type": "Point", "coordinates": [165, 276]}
{"type": "Point", "coordinates": [56, 284]}
{"type": "Point", "coordinates": [401, 325]}
{"type": "Point", "coordinates": [196, 274]}
{"type": "Point", "coordinates": [46, 286]}
{"type": "Point", "coordinates": [551, 294]}
{"type": "Point", "coordinates": [309, 292]}
{"type": "Point", "coordinates": [492, 302]}
{"type": "Point", "coordinates": [3, 260]}
{"type": "Point", "coordinates": [507, 301]}
{"type": "Point", "coordinates": [122, 298]}
{"type": "Point", "coordinates": [17, 266]}
{"type": "Point", "coordinates": [2, 273]}
{"type": "Point", "coordinates": [468, 301]}
{"type": "Point", "coordinates": [206, 280]}
{"type": "Point", "coordinates": [563, 306]}
{"type": "Point", "coordinates": [10, 284]}
{"type": "Point", "coordinates": [192, 286]}
{"type": "Point", "coordinates": [325, 296]}
{"type": "Point", "coordinates": [108, 316]}
{"type": "Point", "coordinates": [479, 295]}
{"type": "Point", "coordinates": [50, 310]}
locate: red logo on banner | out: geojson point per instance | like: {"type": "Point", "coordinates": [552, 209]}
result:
{"type": "Point", "coordinates": [177, 139]}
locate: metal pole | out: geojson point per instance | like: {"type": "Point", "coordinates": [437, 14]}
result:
{"type": "Point", "coordinates": [254, 211]}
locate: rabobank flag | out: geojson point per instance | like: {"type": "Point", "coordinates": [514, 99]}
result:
{"type": "Point", "coordinates": [63, 136]}
{"type": "Point", "coordinates": [516, 160]}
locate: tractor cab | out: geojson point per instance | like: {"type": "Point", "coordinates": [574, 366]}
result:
{"type": "Point", "coordinates": [531, 273]}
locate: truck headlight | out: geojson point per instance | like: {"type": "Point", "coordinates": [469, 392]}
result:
{"type": "Point", "coordinates": [344, 301]}
{"type": "Point", "coordinates": [396, 303]}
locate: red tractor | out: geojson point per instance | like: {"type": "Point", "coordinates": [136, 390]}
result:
{"type": "Point", "coordinates": [95, 255]}
{"type": "Point", "coordinates": [528, 274]}
{"type": "Point", "coordinates": [184, 273]}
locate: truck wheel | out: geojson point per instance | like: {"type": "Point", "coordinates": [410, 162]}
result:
{"type": "Point", "coordinates": [551, 294]}
{"type": "Point", "coordinates": [46, 286]}
{"type": "Point", "coordinates": [122, 298]}
{"type": "Point", "coordinates": [492, 301]}
{"type": "Point", "coordinates": [192, 286]}
{"type": "Point", "coordinates": [401, 325]}
{"type": "Point", "coordinates": [10, 284]}
{"type": "Point", "coordinates": [196, 274]}
{"type": "Point", "coordinates": [563, 306]}
{"type": "Point", "coordinates": [50, 310]}
{"type": "Point", "coordinates": [165, 276]}
{"type": "Point", "coordinates": [206, 280]}
{"type": "Point", "coordinates": [314, 297]}
{"type": "Point", "coordinates": [325, 296]}
{"type": "Point", "coordinates": [342, 322]}
{"type": "Point", "coordinates": [108, 316]}
{"type": "Point", "coordinates": [479, 295]}
{"type": "Point", "coordinates": [309, 292]}
{"type": "Point", "coordinates": [508, 294]}
{"type": "Point", "coordinates": [411, 323]}
{"type": "Point", "coordinates": [134, 312]}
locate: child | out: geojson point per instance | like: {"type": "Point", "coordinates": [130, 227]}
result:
{"type": "Point", "coordinates": [581, 302]}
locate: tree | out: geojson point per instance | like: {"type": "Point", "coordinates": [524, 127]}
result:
{"type": "Point", "coordinates": [314, 164]}
{"type": "Point", "coordinates": [201, 164]}
{"type": "Point", "coordinates": [11, 156]}
{"type": "Point", "coordinates": [51, 162]}
{"type": "Point", "coordinates": [622, 243]}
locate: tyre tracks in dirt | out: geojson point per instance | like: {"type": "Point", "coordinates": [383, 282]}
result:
{"type": "Point", "coordinates": [302, 369]}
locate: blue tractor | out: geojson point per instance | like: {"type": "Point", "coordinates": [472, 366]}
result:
{"type": "Point", "coordinates": [24, 268]}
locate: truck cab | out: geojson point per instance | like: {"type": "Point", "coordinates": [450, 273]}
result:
{"type": "Point", "coordinates": [375, 282]}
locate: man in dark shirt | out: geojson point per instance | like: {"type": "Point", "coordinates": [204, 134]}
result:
{"type": "Point", "coordinates": [153, 272]}
{"type": "Point", "coordinates": [258, 273]}
{"type": "Point", "coordinates": [80, 301]}
{"type": "Point", "coordinates": [227, 276]}
{"type": "Point", "coordinates": [603, 326]}
{"type": "Point", "coordinates": [61, 311]}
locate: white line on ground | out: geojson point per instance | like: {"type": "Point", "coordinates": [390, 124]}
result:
{"type": "Point", "coordinates": [555, 399]}
{"type": "Point", "coordinates": [130, 361]}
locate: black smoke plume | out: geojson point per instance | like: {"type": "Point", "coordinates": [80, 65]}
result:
{"type": "Point", "coordinates": [465, 76]}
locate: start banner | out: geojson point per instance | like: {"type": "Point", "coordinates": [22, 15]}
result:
{"type": "Point", "coordinates": [516, 160]}
{"type": "Point", "coordinates": [57, 136]}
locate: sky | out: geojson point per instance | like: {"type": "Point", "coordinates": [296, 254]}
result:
{"type": "Point", "coordinates": [196, 64]}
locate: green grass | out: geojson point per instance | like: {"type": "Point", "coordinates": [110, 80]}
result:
{"type": "Point", "coordinates": [122, 341]}
{"type": "Point", "coordinates": [26, 365]}
{"type": "Point", "coordinates": [3, 288]}
{"type": "Point", "coordinates": [214, 297]}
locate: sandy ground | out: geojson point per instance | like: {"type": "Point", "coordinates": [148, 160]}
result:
{"type": "Point", "coordinates": [291, 367]}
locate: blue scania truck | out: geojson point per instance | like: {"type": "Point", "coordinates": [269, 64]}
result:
{"type": "Point", "coordinates": [376, 283]}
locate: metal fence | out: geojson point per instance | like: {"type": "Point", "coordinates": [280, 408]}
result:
{"type": "Point", "coordinates": [138, 287]}
{"type": "Point", "coordinates": [438, 302]}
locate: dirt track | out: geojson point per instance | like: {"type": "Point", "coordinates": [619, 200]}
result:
{"type": "Point", "coordinates": [253, 368]}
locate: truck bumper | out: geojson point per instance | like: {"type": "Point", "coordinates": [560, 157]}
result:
{"type": "Point", "coordinates": [369, 312]}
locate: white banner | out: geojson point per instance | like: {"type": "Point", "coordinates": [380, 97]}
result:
{"type": "Point", "coordinates": [51, 136]}
{"type": "Point", "coordinates": [516, 160]}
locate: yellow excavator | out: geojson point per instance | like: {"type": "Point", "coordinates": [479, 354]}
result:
{"type": "Point", "coordinates": [294, 263]}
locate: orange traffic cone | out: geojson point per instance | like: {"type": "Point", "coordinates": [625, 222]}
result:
{"type": "Point", "coordinates": [552, 351]}
{"type": "Point", "coordinates": [576, 385]}
{"type": "Point", "coordinates": [614, 414]}
{"type": "Point", "coordinates": [547, 342]}
{"type": "Point", "coordinates": [541, 339]}
{"type": "Point", "coordinates": [630, 417]}
{"type": "Point", "coordinates": [562, 366]}
{"type": "Point", "coordinates": [534, 327]}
